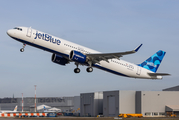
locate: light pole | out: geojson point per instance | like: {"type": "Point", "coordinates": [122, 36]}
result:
{"type": "Point", "coordinates": [35, 98]}
{"type": "Point", "coordinates": [22, 103]}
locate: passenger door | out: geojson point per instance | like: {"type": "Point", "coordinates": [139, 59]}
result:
{"type": "Point", "coordinates": [29, 32]}
{"type": "Point", "coordinates": [138, 70]}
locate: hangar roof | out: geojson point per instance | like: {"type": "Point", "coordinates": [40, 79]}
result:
{"type": "Point", "coordinates": [175, 88]}
{"type": "Point", "coordinates": [172, 108]}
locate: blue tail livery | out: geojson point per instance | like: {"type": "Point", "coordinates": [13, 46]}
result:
{"type": "Point", "coordinates": [154, 61]}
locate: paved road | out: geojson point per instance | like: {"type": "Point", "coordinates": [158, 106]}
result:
{"type": "Point", "coordinates": [88, 118]}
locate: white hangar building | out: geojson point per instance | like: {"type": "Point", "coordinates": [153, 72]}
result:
{"type": "Point", "coordinates": [112, 103]}
{"type": "Point", "coordinates": [115, 102]}
{"type": "Point", "coordinates": [157, 103]}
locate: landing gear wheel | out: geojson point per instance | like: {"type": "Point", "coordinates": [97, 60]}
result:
{"type": "Point", "coordinates": [22, 49]}
{"type": "Point", "coordinates": [89, 69]}
{"type": "Point", "coordinates": [76, 70]}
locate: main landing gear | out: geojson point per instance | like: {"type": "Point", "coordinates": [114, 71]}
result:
{"type": "Point", "coordinates": [77, 70]}
{"type": "Point", "coordinates": [22, 49]}
{"type": "Point", "coordinates": [89, 69]}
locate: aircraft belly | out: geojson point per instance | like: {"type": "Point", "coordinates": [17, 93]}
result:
{"type": "Point", "coordinates": [120, 70]}
{"type": "Point", "coordinates": [113, 68]}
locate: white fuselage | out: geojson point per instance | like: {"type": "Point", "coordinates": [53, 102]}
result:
{"type": "Point", "coordinates": [7, 111]}
{"type": "Point", "coordinates": [63, 47]}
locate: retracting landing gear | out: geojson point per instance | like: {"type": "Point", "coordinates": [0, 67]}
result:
{"type": "Point", "coordinates": [22, 49]}
{"type": "Point", "coordinates": [77, 70]}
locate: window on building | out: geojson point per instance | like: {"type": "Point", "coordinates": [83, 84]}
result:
{"type": "Point", "coordinates": [148, 114]}
{"type": "Point", "coordinates": [162, 113]}
{"type": "Point", "coordinates": [155, 114]}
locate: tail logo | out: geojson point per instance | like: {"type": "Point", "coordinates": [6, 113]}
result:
{"type": "Point", "coordinates": [154, 61]}
{"type": "Point", "coordinates": [151, 64]}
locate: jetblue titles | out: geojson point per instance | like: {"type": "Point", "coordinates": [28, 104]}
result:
{"type": "Point", "coordinates": [47, 37]}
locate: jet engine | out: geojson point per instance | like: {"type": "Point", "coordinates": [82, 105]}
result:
{"type": "Point", "coordinates": [59, 59]}
{"type": "Point", "coordinates": [77, 56]}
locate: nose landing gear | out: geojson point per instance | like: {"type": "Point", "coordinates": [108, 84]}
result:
{"type": "Point", "coordinates": [22, 49]}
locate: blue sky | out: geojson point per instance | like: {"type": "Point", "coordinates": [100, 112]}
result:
{"type": "Point", "coordinates": [103, 25]}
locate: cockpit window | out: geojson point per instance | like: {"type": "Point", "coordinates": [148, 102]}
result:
{"type": "Point", "coordinates": [18, 28]}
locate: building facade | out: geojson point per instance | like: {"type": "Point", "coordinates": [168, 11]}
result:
{"type": "Point", "coordinates": [116, 102]}
{"type": "Point", "coordinates": [107, 103]}
{"type": "Point", "coordinates": [157, 103]}
{"type": "Point", "coordinates": [91, 104]}
{"type": "Point", "coordinates": [66, 104]}
{"type": "Point", "coordinates": [113, 103]}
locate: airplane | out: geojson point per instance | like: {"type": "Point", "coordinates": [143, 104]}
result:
{"type": "Point", "coordinates": [52, 110]}
{"type": "Point", "coordinates": [9, 111]}
{"type": "Point", "coordinates": [64, 52]}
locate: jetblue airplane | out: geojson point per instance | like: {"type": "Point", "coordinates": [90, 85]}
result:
{"type": "Point", "coordinates": [64, 52]}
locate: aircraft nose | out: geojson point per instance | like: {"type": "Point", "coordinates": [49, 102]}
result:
{"type": "Point", "coordinates": [10, 32]}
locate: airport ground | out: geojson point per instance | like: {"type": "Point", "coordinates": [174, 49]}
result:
{"type": "Point", "coordinates": [90, 118]}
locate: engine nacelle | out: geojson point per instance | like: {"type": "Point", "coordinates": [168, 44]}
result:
{"type": "Point", "coordinates": [59, 59]}
{"type": "Point", "coordinates": [77, 56]}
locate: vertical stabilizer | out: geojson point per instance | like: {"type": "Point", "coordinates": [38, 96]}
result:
{"type": "Point", "coordinates": [154, 61]}
{"type": "Point", "coordinates": [45, 110]}
{"type": "Point", "coordinates": [15, 109]}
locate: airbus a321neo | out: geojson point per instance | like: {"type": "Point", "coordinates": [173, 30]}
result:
{"type": "Point", "coordinates": [64, 52]}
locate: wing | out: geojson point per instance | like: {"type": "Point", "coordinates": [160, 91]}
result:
{"type": "Point", "coordinates": [96, 58]}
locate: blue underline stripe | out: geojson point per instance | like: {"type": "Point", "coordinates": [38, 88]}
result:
{"type": "Point", "coordinates": [66, 55]}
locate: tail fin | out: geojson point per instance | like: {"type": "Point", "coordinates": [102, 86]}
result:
{"type": "Point", "coordinates": [45, 110]}
{"type": "Point", "coordinates": [15, 109]}
{"type": "Point", "coordinates": [154, 61]}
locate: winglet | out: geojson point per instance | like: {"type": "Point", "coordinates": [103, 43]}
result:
{"type": "Point", "coordinates": [137, 48]}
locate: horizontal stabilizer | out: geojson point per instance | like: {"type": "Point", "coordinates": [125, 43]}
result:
{"type": "Point", "coordinates": [158, 74]}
